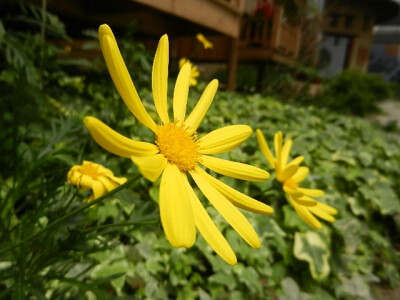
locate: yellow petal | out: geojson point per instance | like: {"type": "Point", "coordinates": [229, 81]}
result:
{"type": "Point", "coordinates": [193, 121]}
{"type": "Point", "coordinates": [224, 139]}
{"type": "Point", "coordinates": [193, 82]}
{"type": "Point", "coordinates": [278, 145]}
{"type": "Point", "coordinates": [118, 180]}
{"type": "Point", "coordinates": [73, 175]}
{"type": "Point", "coordinates": [109, 184]}
{"type": "Point", "coordinates": [160, 79]}
{"type": "Point", "coordinates": [297, 161]}
{"type": "Point", "coordinates": [176, 209]}
{"type": "Point", "coordinates": [116, 143]}
{"type": "Point", "coordinates": [300, 175]}
{"type": "Point", "coordinates": [286, 173]}
{"type": "Point", "coordinates": [231, 214]}
{"type": "Point", "coordinates": [264, 148]}
{"type": "Point", "coordinates": [327, 208]}
{"type": "Point", "coordinates": [285, 153]}
{"type": "Point", "coordinates": [311, 192]}
{"type": "Point", "coordinates": [152, 166]}
{"type": "Point", "coordinates": [305, 200]}
{"type": "Point", "coordinates": [305, 214]}
{"type": "Point", "coordinates": [292, 191]}
{"type": "Point", "coordinates": [98, 189]}
{"type": "Point", "coordinates": [103, 171]}
{"type": "Point", "coordinates": [183, 61]}
{"type": "Point", "coordinates": [105, 30]}
{"type": "Point", "coordinates": [85, 182]}
{"type": "Point", "coordinates": [320, 213]}
{"type": "Point", "coordinates": [181, 93]}
{"type": "Point", "coordinates": [234, 169]}
{"type": "Point", "coordinates": [308, 217]}
{"type": "Point", "coordinates": [121, 78]}
{"type": "Point", "coordinates": [237, 198]}
{"type": "Point", "coordinates": [208, 230]}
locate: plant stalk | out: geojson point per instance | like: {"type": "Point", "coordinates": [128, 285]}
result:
{"type": "Point", "coordinates": [70, 214]}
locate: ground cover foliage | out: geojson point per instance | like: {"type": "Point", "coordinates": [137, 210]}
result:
{"type": "Point", "coordinates": [118, 249]}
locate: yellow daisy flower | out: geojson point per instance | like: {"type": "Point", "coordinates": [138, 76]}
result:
{"type": "Point", "coordinates": [290, 174]}
{"type": "Point", "coordinates": [177, 151]}
{"type": "Point", "coordinates": [202, 39]}
{"type": "Point", "coordinates": [194, 72]}
{"type": "Point", "coordinates": [93, 176]}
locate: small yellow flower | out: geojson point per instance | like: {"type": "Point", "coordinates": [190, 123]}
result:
{"type": "Point", "coordinates": [206, 43]}
{"type": "Point", "coordinates": [290, 174]}
{"type": "Point", "coordinates": [194, 72]}
{"type": "Point", "coordinates": [93, 176]}
{"type": "Point", "coordinates": [177, 152]}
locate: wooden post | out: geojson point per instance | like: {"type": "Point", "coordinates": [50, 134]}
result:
{"type": "Point", "coordinates": [276, 27]}
{"type": "Point", "coordinates": [232, 64]}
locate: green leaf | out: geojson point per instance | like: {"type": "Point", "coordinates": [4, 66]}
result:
{"type": "Point", "coordinates": [224, 279]}
{"type": "Point", "coordinates": [291, 290]}
{"type": "Point", "coordinates": [357, 208]}
{"type": "Point", "coordinates": [354, 287]}
{"type": "Point", "coordinates": [345, 156]}
{"type": "Point", "coordinates": [352, 231]}
{"type": "Point", "coordinates": [366, 158]}
{"type": "Point", "coordinates": [382, 194]}
{"type": "Point", "coordinates": [311, 248]}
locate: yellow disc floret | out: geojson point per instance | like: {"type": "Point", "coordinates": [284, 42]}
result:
{"type": "Point", "coordinates": [178, 145]}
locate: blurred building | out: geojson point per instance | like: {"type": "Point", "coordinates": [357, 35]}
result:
{"type": "Point", "coordinates": [347, 28]}
{"type": "Point", "coordinates": [385, 51]}
{"type": "Point", "coordinates": [338, 33]}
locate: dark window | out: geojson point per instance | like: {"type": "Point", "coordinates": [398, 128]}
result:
{"type": "Point", "coordinates": [349, 21]}
{"type": "Point", "coordinates": [333, 20]}
{"type": "Point", "coordinates": [367, 23]}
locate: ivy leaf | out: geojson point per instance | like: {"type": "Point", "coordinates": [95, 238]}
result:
{"type": "Point", "coordinates": [351, 230]}
{"type": "Point", "coordinates": [224, 279]}
{"type": "Point", "coordinates": [382, 195]}
{"type": "Point", "coordinates": [357, 208]}
{"type": "Point", "coordinates": [292, 291]}
{"type": "Point", "coordinates": [310, 247]}
{"type": "Point", "coordinates": [354, 288]}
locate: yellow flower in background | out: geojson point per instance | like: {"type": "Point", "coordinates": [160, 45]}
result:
{"type": "Point", "coordinates": [194, 72]}
{"type": "Point", "coordinates": [93, 176]}
{"type": "Point", "coordinates": [202, 39]}
{"type": "Point", "coordinates": [290, 174]}
{"type": "Point", "coordinates": [177, 151]}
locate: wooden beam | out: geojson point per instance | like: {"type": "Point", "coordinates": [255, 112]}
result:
{"type": "Point", "coordinates": [214, 14]}
{"type": "Point", "coordinates": [232, 64]}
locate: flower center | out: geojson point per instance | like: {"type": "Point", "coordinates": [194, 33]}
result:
{"type": "Point", "coordinates": [89, 170]}
{"type": "Point", "coordinates": [177, 145]}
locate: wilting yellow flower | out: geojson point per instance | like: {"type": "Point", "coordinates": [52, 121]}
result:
{"type": "Point", "coordinates": [291, 175]}
{"type": "Point", "coordinates": [177, 151]}
{"type": "Point", "coordinates": [202, 39]}
{"type": "Point", "coordinates": [93, 176]}
{"type": "Point", "coordinates": [194, 73]}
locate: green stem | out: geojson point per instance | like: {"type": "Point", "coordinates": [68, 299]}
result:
{"type": "Point", "coordinates": [145, 220]}
{"type": "Point", "coordinates": [70, 214]}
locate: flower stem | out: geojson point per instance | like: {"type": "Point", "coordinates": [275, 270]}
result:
{"type": "Point", "coordinates": [70, 214]}
{"type": "Point", "coordinates": [145, 220]}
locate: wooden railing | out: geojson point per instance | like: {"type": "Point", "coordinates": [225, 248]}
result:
{"type": "Point", "coordinates": [272, 34]}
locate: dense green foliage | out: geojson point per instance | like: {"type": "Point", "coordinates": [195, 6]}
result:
{"type": "Point", "coordinates": [118, 248]}
{"type": "Point", "coordinates": [356, 93]}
